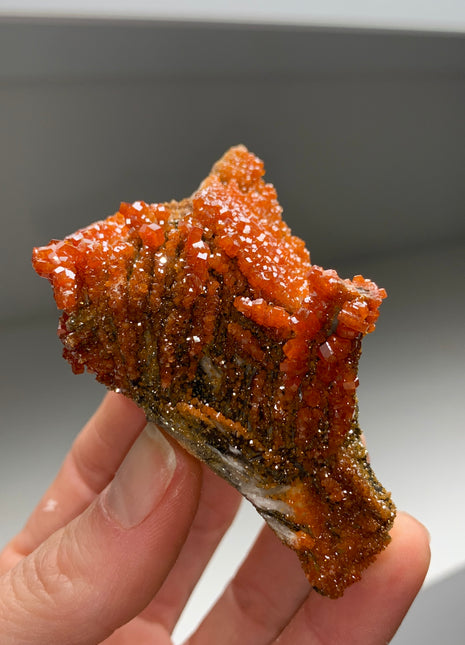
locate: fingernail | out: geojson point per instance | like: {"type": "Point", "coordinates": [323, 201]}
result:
{"type": "Point", "coordinates": [142, 479]}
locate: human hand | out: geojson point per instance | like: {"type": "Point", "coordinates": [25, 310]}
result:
{"type": "Point", "coordinates": [112, 559]}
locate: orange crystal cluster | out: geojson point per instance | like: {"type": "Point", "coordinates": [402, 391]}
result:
{"type": "Point", "coordinates": [209, 314]}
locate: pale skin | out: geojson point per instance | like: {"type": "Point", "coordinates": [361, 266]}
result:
{"type": "Point", "coordinates": [112, 559]}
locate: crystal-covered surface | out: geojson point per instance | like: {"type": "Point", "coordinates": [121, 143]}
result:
{"type": "Point", "coordinates": [209, 314]}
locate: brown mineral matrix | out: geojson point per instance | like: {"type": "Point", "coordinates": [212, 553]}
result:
{"type": "Point", "coordinates": [208, 313]}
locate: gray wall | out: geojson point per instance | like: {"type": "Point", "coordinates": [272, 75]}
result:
{"type": "Point", "coordinates": [362, 132]}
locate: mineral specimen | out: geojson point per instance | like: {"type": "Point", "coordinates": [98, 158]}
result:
{"type": "Point", "coordinates": [208, 313]}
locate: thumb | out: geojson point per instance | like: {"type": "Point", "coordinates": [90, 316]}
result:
{"type": "Point", "coordinates": [99, 571]}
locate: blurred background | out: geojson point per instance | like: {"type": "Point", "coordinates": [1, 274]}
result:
{"type": "Point", "coordinates": [359, 116]}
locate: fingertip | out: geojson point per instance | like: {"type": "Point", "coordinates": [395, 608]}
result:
{"type": "Point", "coordinates": [389, 586]}
{"type": "Point", "coordinates": [410, 550]}
{"type": "Point", "coordinates": [118, 403]}
{"type": "Point", "coordinates": [371, 610]}
{"type": "Point", "coordinates": [407, 523]}
{"type": "Point", "coordinates": [399, 571]}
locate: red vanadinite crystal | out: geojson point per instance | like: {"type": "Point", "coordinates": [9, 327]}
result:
{"type": "Point", "coordinates": [152, 235]}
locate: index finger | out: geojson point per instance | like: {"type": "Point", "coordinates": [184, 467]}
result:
{"type": "Point", "coordinates": [91, 463]}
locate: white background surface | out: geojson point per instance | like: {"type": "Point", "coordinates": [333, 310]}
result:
{"type": "Point", "coordinates": [448, 15]}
